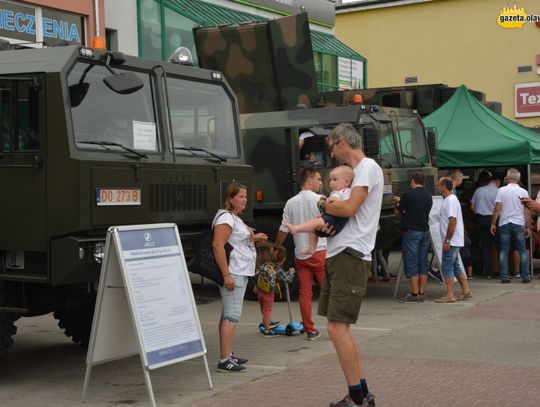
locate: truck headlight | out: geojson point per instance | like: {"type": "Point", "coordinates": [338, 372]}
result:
{"type": "Point", "coordinates": [99, 251]}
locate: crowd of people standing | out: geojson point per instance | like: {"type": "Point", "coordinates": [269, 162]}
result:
{"type": "Point", "coordinates": [339, 257]}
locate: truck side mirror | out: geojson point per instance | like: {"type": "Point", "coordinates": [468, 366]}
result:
{"type": "Point", "coordinates": [77, 92]}
{"type": "Point", "coordinates": [370, 137]}
{"type": "Point", "coordinates": [432, 145]}
{"type": "Point", "coordinates": [123, 82]}
{"type": "Point", "coordinates": [120, 82]}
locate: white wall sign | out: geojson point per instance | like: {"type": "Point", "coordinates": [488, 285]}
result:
{"type": "Point", "coordinates": [357, 74]}
{"type": "Point", "coordinates": [145, 303]}
{"type": "Point", "coordinates": [344, 73]}
{"type": "Point", "coordinates": [350, 74]}
{"type": "Point", "coordinates": [527, 99]}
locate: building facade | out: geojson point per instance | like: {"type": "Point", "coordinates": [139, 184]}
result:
{"type": "Point", "coordinates": [478, 43]}
{"type": "Point", "coordinates": [155, 28]}
{"type": "Point", "coordinates": [51, 22]}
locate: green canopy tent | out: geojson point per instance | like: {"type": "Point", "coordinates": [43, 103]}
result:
{"type": "Point", "coordinates": [471, 135]}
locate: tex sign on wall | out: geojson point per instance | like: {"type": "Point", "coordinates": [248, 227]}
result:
{"type": "Point", "coordinates": [527, 99]}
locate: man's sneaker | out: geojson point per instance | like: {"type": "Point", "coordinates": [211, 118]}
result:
{"type": "Point", "coordinates": [526, 280]}
{"type": "Point", "coordinates": [505, 281]}
{"type": "Point", "coordinates": [273, 324]}
{"type": "Point", "coordinates": [345, 402]}
{"type": "Point", "coordinates": [228, 366]}
{"type": "Point", "coordinates": [311, 336]}
{"type": "Point", "coordinates": [513, 275]}
{"type": "Point", "coordinates": [269, 334]}
{"type": "Point", "coordinates": [410, 298]}
{"type": "Point", "coordinates": [423, 297]}
{"type": "Point", "coordinates": [238, 360]}
{"type": "Point", "coordinates": [369, 400]}
{"type": "Point", "coordinates": [436, 274]}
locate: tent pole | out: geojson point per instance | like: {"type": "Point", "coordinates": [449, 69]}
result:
{"type": "Point", "coordinates": [531, 264]}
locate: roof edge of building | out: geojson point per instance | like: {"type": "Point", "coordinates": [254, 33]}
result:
{"type": "Point", "coordinates": [374, 4]}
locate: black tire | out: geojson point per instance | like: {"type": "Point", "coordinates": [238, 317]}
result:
{"type": "Point", "coordinates": [76, 321]}
{"type": "Point", "coordinates": [7, 330]}
{"type": "Point", "coordinates": [288, 330]}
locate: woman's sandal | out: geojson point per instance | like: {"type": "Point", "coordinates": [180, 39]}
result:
{"type": "Point", "coordinates": [445, 300]}
{"type": "Point", "coordinates": [463, 297]}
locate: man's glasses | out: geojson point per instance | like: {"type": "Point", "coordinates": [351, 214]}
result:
{"type": "Point", "coordinates": [331, 146]}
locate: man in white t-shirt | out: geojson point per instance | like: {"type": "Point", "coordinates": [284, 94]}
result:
{"type": "Point", "coordinates": [348, 258]}
{"type": "Point", "coordinates": [514, 223]}
{"type": "Point", "coordinates": [452, 233]}
{"type": "Point", "coordinates": [299, 209]}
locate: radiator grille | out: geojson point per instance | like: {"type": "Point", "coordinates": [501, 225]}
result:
{"type": "Point", "coordinates": [178, 197]}
{"type": "Point", "coordinates": [399, 187]}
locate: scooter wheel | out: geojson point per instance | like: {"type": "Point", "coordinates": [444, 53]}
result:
{"type": "Point", "coordinates": [288, 330]}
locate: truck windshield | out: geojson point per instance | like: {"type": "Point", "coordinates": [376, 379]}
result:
{"type": "Point", "coordinates": [101, 115]}
{"type": "Point", "coordinates": [413, 141]}
{"type": "Point", "coordinates": [202, 119]}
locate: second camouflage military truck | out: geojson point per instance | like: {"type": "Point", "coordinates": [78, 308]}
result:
{"type": "Point", "coordinates": [92, 139]}
{"type": "Point", "coordinates": [270, 66]}
{"type": "Point", "coordinates": [393, 137]}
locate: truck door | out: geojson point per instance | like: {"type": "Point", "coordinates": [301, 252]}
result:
{"type": "Point", "coordinates": [22, 165]}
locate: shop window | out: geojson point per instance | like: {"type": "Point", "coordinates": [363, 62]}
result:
{"type": "Point", "coordinates": [326, 71]}
{"type": "Point", "coordinates": [151, 44]}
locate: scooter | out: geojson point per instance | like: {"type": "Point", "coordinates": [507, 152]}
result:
{"type": "Point", "coordinates": [293, 326]}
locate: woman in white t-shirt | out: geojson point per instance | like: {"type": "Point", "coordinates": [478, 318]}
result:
{"type": "Point", "coordinates": [230, 228]}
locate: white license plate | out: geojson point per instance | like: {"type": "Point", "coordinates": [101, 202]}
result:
{"type": "Point", "coordinates": [118, 197]}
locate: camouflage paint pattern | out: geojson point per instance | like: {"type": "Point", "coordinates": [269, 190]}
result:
{"type": "Point", "coordinates": [269, 64]}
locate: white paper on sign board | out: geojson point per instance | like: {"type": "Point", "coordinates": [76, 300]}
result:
{"type": "Point", "coordinates": [144, 136]}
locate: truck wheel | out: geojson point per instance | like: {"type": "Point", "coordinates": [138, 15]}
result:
{"type": "Point", "coordinates": [76, 321]}
{"type": "Point", "coordinates": [7, 330]}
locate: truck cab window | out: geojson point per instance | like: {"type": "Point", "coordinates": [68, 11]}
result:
{"type": "Point", "coordinates": [387, 153]}
{"type": "Point", "coordinates": [412, 141]}
{"type": "Point", "coordinates": [19, 116]}
{"type": "Point", "coordinates": [202, 118]}
{"type": "Point", "coordinates": [102, 117]}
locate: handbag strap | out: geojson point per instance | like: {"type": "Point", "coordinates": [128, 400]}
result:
{"type": "Point", "coordinates": [217, 217]}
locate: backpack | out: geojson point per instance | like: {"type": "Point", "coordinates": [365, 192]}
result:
{"type": "Point", "coordinates": [267, 277]}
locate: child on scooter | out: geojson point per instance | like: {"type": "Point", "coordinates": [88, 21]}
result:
{"type": "Point", "coordinates": [270, 262]}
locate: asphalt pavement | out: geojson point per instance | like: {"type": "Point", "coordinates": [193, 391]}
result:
{"type": "Point", "coordinates": [481, 352]}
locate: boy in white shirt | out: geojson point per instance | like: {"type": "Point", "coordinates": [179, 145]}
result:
{"type": "Point", "coordinates": [340, 179]}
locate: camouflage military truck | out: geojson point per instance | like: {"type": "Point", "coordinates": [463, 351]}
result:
{"type": "Point", "coordinates": [90, 140]}
{"type": "Point", "coordinates": [270, 66]}
{"type": "Point", "coordinates": [425, 99]}
{"type": "Point", "coordinates": [395, 138]}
